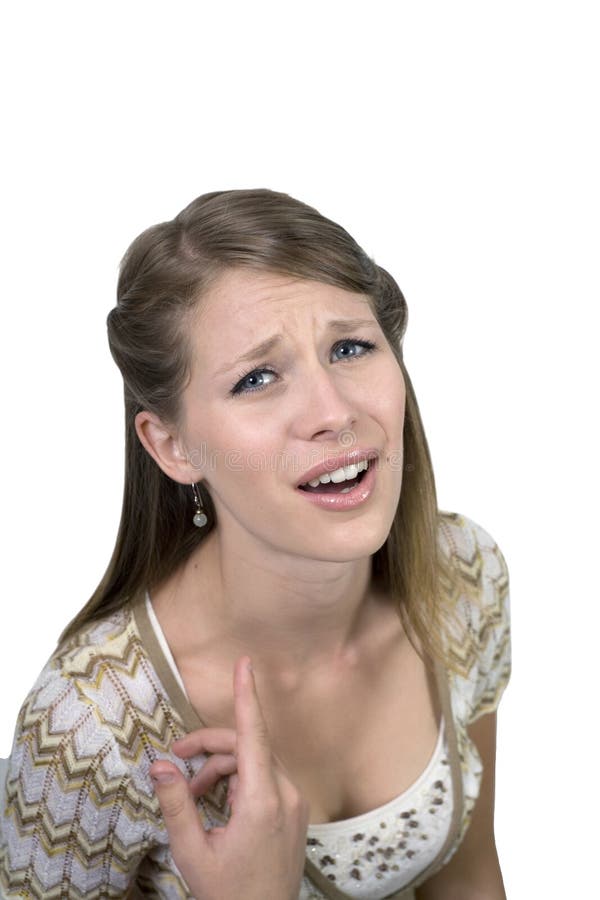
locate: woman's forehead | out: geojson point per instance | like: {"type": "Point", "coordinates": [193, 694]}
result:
{"type": "Point", "coordinates": [248, 314]}
{"type": "Point", "coordinates": [251, 296]}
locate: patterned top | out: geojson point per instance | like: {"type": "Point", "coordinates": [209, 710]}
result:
{"type": "Point", "coordinates": [80, 815]}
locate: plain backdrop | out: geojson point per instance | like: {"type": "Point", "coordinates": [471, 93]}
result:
{"type": "Point", "coordinates": [458, 142]}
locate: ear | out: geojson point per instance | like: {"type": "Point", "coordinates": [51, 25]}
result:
{"type": "Point", "coordinates": [166, 448]}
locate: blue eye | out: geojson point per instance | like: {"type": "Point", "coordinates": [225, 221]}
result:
{"type": "Point", "coordinates": [366, 345]}
{"type": "Point", "coordinates": [254, 374]}
{"type": "Point", "coordinates": [243, 386]}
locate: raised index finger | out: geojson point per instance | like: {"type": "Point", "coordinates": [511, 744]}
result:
{"type": "Point", "coordinates": [253, 746]}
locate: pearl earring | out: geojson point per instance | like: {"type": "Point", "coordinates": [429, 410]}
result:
{"type": "Point", "coordinates": [200, 517]}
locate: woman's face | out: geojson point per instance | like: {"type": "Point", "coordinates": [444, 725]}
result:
{"type": "Point", "coordinates": [254, 428]}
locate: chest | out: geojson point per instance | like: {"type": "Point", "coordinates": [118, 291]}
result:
{"type": "Point", "coordinates": [364, 746]}
{"type": "Point", "coordinates": [352, 743]}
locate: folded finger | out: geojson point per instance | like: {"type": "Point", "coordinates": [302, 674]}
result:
{"type": "Point", "coordinates": [205, 740]}
{"type": "Point", "coordinates": [232, 788]}
{"type": "Point", "coordinates": [217, 766]}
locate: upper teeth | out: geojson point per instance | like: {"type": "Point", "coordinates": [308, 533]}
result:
{"type": "Point", "coordinates": [346, 473]}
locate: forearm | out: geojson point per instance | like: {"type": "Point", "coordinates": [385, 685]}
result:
{"type": "Point", "coordinates": [483, 882]}
{"type": "Point", "coordinates": [462, 892]}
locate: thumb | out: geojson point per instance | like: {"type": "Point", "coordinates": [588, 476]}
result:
{"type": "Point", "coordinates": [182, 821]}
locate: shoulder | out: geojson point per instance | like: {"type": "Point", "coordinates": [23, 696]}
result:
{"type": "Point", "coordinates": [478, 635]}
{"type": "Point", "coordinates": [479, 566]}
{"type": "Point", "coordinates": [79, 799]}
{"type": "Point", "coordinates": [85, 715]}
{"type": "Point", "coordinates": [99, 691]}
{"type": "Point", "coordinates": [472, 547]}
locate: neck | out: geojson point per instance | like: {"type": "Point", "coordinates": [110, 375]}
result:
{"type": "Point", "coordinates": [288, 613]}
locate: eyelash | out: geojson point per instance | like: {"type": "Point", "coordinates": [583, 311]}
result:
{"type": "Point", "coordinates": [237, 390]}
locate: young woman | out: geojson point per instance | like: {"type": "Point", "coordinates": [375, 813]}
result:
{"type": "Point", "coordinates": [280, 510]}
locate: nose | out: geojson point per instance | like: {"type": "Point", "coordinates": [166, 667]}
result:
{"type": "Point", "coordinates": [326, 404]}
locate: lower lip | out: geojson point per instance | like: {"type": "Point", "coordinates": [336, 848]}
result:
{"type": "Point", "coordinates": [358, 495]}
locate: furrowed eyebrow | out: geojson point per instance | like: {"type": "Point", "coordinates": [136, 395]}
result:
{"type": "Point", "coordinates": [266, 346]}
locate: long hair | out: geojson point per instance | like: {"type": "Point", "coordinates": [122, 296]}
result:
{"type": "Point", "coordinates": [163, 276]}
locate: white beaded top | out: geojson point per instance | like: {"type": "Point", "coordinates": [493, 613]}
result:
{"type": "Point", "coordinates": [379, 852]}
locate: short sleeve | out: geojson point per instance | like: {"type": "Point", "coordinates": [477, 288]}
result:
{"type": "Point", "coordinates": [74, 824]}
{"type": "Point", "coordinates": [492, 625]}
{"type": "Point", "coordinates": [481, 643]}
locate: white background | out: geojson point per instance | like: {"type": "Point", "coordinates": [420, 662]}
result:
{"type": "Point", "coordinates": [458, 142]}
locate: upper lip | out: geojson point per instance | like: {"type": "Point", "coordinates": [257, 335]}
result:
{"type": "Point", "coordinates": [351, 457]}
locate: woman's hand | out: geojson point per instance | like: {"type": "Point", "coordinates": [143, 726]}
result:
{"type": "Point", "coordinates": [262, 847]}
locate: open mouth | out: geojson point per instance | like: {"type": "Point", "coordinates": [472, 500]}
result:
{"type": "Point", "coordinates": [342, 487]}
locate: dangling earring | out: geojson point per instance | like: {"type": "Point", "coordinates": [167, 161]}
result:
{"type": "Point", "coordinates": [200, 517]}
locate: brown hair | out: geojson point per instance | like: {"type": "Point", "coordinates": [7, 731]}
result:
{"type": "Point", "coordinates": [164, 274]}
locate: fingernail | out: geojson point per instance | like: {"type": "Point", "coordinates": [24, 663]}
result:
{"type": "Point", "coordinates": [163, 778]}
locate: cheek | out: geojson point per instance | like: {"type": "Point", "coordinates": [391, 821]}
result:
{"type": "Point", "coordinates": [234, 436]}
{"type": "Point", "coordinates": [244, 457]}
{"type": "Point", "coordinates": [390, 395]}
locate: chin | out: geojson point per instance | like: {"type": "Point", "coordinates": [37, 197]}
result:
{"type": "Point", "coordinates": [349, 546]}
